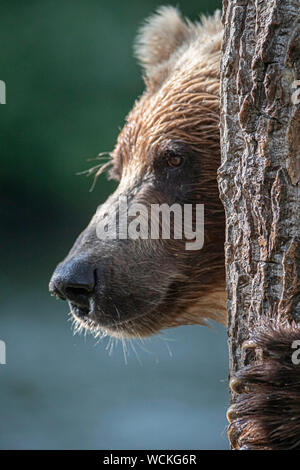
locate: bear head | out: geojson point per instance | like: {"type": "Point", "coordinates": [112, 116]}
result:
{"type": "Point", "coordinates": [166, 156]}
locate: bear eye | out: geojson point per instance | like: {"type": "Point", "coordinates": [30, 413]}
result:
{"type": "Point", "coordinates": [174, 160]}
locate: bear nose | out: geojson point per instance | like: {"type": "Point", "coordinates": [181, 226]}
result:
{"type": "Point", "coordinates": [74, 280]}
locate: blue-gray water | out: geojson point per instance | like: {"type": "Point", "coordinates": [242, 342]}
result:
{"type": "Point", "coordinates": [60, 391]}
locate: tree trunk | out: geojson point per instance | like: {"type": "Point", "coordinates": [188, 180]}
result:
{"type": "Point", "coordinates": [259, 186]}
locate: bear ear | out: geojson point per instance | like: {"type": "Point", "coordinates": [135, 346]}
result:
{"type": "Point", "coordinates": [159, 37]}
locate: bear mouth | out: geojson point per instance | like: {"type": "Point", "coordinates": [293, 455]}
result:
{"type": "Point", "coordinates": [129, 316]}
{"type": "Point", "coordinates": [89, 320]}
{"type": "Point", "coordinates": [93, 318]}
{"type": "Point", "coordinates": [79, 312]}
{"type": "Point", "coordinates": [96, 320]}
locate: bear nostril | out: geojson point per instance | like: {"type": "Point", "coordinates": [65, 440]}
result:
{"type": "Point", "coordinates": [74, 281]}
{"type": "Point", "coordinates": [78, 294]}
{"type": "Point", "coordinates": [76, 291]}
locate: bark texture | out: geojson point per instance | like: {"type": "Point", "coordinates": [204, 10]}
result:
{"type": "Point", "coordinates": [259, 178]}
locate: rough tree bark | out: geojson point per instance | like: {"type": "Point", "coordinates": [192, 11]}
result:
{"type": "Point", "coordinates": [260, 172]}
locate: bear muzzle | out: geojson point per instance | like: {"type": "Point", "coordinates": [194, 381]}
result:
{"type": "Point", "coordinates": [98, 295]}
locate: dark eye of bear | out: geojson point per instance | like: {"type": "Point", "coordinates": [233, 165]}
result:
{"type": "Point", "coordinates": [174, 160]}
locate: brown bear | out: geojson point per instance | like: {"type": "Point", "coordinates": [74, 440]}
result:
{"type": "Point", "coordinates": [167, 153]}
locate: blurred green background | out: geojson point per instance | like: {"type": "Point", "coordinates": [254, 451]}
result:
{"type": "Point", "coordinates": [71, 79]}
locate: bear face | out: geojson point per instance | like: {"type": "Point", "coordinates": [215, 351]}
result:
{"type": "Point", "coordinates": [167, 154]}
